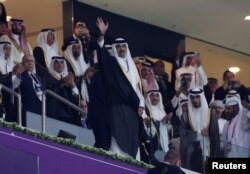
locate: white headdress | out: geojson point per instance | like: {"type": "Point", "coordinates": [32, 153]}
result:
{"type": "Point", "coordinates": [9, 60]}
{"type": "Point", "coordinates": [79, 65]}
{"type": "Point", "coordinates": [199, 118]}
{"type": "Point", "coordinates": [183, 99]}
{"type": "Point", "coordinates": [237, 136]}
{"type": "Point", "coordinates": [49, 51]}
{"type": "Point", "coordinates": [131, 71]}
{"type": "Point", "coordinates": [53, 72]}
{"type": "Point", "coordinates": [218, 103]}
{"type": "Point", "coordinates": [161, 112]}
{"type": "Point", "coordinates": [188, 54]}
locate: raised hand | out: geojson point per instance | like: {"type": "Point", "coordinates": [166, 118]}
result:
{"type": "Point", "coordinates": [83, 104]}
{"type": "Point", "coordinates": [102, 26]}
{"type": "Point", "coordinates": [140, 111]}
{"type": "Point", "coordinates": [17, 69]}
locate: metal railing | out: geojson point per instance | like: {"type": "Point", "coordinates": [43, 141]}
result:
{"type": "Point", "coordinates": [19, 104]}
{"type": "Point", "coordinates": [58, 97]}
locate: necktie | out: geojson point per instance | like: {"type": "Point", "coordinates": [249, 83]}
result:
{"type": "Point", "coordinates": [34, 78]}
{"type": "Point", "coordinates": [37, 87]}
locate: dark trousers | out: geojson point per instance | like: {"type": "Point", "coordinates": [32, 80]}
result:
{"type": "Point", "coordinates": [102, 134]}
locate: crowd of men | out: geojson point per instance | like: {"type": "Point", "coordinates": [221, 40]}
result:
{"type": "Point", "coordinates": [132, 106]}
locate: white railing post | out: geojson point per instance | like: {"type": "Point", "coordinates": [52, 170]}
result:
{"type": "Point", "coordinates": [43, 111]}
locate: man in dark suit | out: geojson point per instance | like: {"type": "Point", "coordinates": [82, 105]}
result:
{"type": "Point", "coordinates": [210, 88]}
{"type": "Point", "coordinates": [31, 88]}
{"type": "Point", "coordinates": [165, 87]}
{"type": "Point", "coordinates": [167, 91]}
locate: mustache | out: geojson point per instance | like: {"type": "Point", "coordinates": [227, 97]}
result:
{"type": "Point", "coordinates": [76, 54]}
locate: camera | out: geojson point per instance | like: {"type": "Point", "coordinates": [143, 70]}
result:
{"type": "Point", "coordinates": [184, 84]}
{"type": "Point", "coordinates": [231, 83]}
{"type": "Point", "coordinates": [185, 81]}
{"type": "Point", "coordinates": [82, 38]}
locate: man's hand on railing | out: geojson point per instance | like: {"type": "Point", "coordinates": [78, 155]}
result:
{"type": "Point", "coordinates": [83, 104]}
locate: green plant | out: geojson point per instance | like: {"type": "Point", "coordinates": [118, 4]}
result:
{"type": "Point", "coordinates": [71, 143]}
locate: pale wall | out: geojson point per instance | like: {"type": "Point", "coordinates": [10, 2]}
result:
{"type": "Point", "coordinates": [37, 15]}
{"type": "Point", "coordinates": [216, 60]}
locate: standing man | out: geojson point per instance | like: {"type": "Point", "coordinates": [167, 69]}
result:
{"type": "Point", "coordinates": [235, 136]}
{"type": "Point", "coordinates": [46, 49]}
{"type": "Point", "coordinates": [18, 39]}
{"type": "Point", "coordinates": [199, 117]}
{"type": "Point", "coordinates": [124, 96]}
{"type": "Point", "coordinates": [230, 83]}
{"type": "Point", "coordinates": [99, 119]}
{"type": "Point", "coordinates": [244, 130]}
{"type": "Point", "coordinates": [147, 77]}
{"type": "Point", "coordinates": [157, 113]}
{"type": "Point", "coordinates": [217, 108]}
{"type": "Point", "coordinates": [210, 89]}
{"type": "Point", "coordinates": [191, 64]}
{"type": "Point", "coordinates": [194, 128]}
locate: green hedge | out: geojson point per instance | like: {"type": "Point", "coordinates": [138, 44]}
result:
{"type": "Point", "coordinates": [73, 144]}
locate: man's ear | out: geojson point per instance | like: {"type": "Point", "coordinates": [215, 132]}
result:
{"type": "Point", "coordinates": [178, 163]}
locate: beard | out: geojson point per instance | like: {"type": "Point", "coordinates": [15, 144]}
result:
{"type": "Point", "coordinates": [76, 54]}
{"type": "Point", "coordinates": [16, 31]}
{"type": "Point", "coordinates": [230, 116]}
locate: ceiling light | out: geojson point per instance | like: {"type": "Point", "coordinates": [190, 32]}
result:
{"type": "Point", "coordinates": [247, 18]}
{"type": "Point", "coordinates": [234, 70]}
{"type": "Point", "coordinates": [9, 18]}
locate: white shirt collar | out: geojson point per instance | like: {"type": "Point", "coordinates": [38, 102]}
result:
{"type": "Point", "coordinates": [16, 37]}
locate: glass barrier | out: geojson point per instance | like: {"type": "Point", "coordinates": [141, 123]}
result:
{"type": "Point", "coordinates": [55, 127]}
{"type": "Point", "coordinates": [15, 161]}
{"type": "Point", "coordinates": [228, 150]}
{"type": "Point", "coordinates": [194, 151]}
